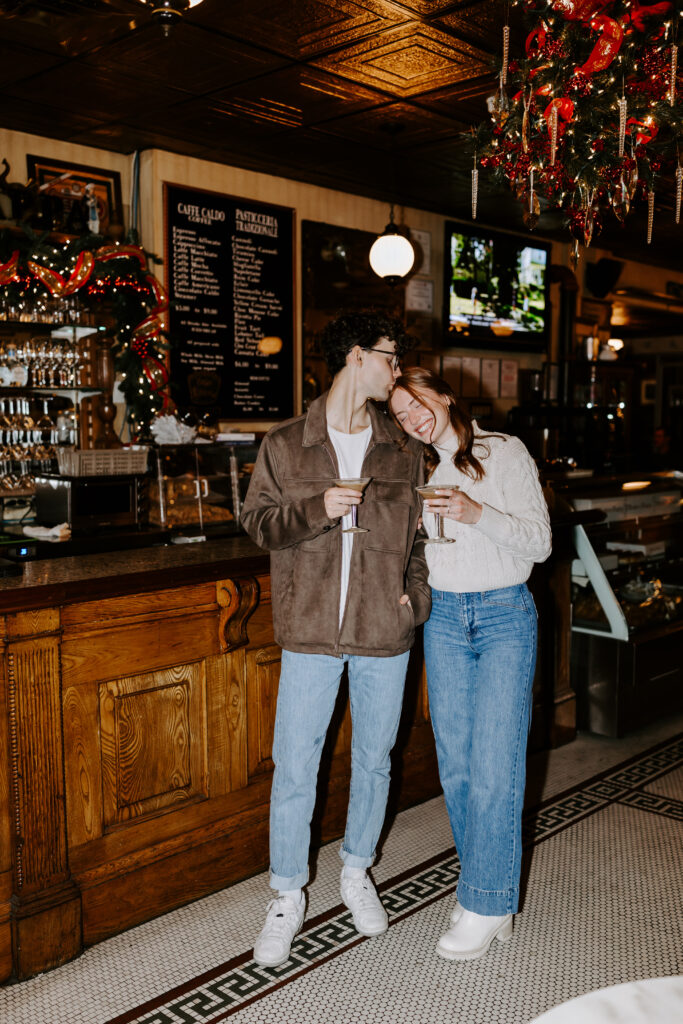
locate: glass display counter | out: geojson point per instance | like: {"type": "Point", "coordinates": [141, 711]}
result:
{"type": "Point", "coordinates": [627, 604]}
{"type": "Point", "coordinates": [198, 489]}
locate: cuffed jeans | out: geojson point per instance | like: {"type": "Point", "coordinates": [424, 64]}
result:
{"type": "Point", "coordinates": [308, 689]}
{"type": "Point", "coordinates": [480, 654]}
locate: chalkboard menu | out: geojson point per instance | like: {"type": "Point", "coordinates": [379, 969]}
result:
{"type": "Point", "coordinates": [230, 280]}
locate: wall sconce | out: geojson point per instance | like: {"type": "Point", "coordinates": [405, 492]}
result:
{"type": "Point", "coordinates": [392, 254]}
{"type": "Point", "coordinates": [169, 12]}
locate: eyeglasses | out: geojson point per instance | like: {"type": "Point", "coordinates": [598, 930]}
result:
{"type": "Point", "coordinates": [393, 363]}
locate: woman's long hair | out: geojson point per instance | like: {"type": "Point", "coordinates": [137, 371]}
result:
{"type": "Point", "coordinates": [417, 379]}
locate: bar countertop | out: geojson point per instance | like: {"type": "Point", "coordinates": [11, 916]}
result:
{"type": "Point", "coordinates": [59, 581]}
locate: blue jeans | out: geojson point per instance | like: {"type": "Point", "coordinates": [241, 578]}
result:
{"type": "Point", "coordinates": [480, 654]}
{"type": "Point", "coordinates": [308, 689]}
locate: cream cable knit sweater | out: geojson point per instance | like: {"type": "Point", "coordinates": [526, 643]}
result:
{"type": "Point", "coordinates": [514, 529]}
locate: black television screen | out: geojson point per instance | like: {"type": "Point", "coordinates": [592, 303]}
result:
{"type": "Point", "coordinates": [496, 288]}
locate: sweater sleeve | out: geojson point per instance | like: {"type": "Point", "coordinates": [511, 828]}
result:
{"type": "Point", "coordinates": [523, 527]}
{"type": "Point", "coordinates": [270, 520]}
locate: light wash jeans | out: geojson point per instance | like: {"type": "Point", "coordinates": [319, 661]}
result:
{"type": "Point", "coordinates": [308, 689]}
{"type": "Point", "coordinates": [480, 653]}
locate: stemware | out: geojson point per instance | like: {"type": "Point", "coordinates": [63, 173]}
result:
{"type": "Point", "coordinates": [357, 484]}
{"type": "Point", "coordinates": [427, 491]}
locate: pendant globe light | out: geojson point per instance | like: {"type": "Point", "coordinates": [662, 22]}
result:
{"type": "Point", "coordinates": [392, 254]}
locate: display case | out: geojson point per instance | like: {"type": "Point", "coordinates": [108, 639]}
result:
{"type": "Point", "coordinates": [198, 489]}
{"type": "Point", "coordinates": [627, 604]}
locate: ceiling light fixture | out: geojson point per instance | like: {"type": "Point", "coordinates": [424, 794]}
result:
{"type": "Point", "coordinates": [392, 254]}
{"type": "Point", "coordinates": [169, 12]}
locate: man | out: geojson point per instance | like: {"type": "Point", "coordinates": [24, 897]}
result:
{"type": "Point", "coordinates": [339, 598]}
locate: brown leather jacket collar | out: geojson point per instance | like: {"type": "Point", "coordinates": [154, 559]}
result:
{"type": "Point", "coordinates": [315, 430]}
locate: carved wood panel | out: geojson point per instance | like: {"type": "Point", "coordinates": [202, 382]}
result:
{"type": "Point", "coordinates": [263, 674]}
{"type": "Point", "coordinates": [83, 776]}
{"type": "Point", "coordinates": [227, 723]}
{"type": "Point", "coordinates": [154, 742]}
{"type": "Point", "coordinates": [36, 762]}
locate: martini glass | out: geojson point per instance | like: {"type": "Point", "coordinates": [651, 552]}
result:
{"type": "Point", "coordinates": [434, 491]}
{"type": "Point", "coordinates": [358, 484]}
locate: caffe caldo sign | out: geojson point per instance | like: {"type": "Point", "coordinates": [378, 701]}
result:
{"type": "Point", "coordinates": [201, 214]}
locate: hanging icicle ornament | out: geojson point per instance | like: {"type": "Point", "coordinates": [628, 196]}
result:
{"type": "Point", "coordinates": [674, 71]}
{"type": "Point", "coordinates": [554, 115]}
{"type": "Point", "coordinates": [498, 105]}
{"type": "Point", "coordinates": [532, 208]}
{"type": "Point", "coordinates": [621, 104]}
{"type": "Point", "coordinates": [506, 54]}
{"type": "Point", "coordinates": [633, 176]}
{"type": "Point", "coordinates": [650, 214]}
{"type": "Point", "coordinates": [679, 192]}
{"type": "Point", "coordinates": [475, 187]}
{"type": "Point", "coordinates": [574, 253]}
{"type": "Point", "coordinates": [525, 119]}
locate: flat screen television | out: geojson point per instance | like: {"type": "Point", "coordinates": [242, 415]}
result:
{"type": "Point", "coordinates": [496, 289]}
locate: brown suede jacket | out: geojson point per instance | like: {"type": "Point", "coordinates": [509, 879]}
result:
{"type": "Point", "coordinates": [284, 512]}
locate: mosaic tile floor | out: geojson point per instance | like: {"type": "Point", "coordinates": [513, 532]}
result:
{"type": "Point", "coordinates": [603, 870]}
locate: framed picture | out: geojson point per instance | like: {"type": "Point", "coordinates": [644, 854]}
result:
{"type": "Point", "coordinates": [74, 199]}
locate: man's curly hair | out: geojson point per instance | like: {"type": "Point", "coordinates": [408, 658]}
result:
{"type": "Point", "coordinates": [365, 329]}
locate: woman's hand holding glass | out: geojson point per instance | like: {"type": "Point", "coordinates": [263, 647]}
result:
{"type": "Point", "coordinates": [452, 503]}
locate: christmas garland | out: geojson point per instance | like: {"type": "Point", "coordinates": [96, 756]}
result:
{"type": "Point", "coordinates": [113, 283]}
{"type": "Point", "coordinates": [588, 120]}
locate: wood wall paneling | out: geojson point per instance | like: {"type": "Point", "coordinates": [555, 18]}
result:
{"type": "Point", "coordinates": [263, 674]}
{"type": "Point", "coordinates": [154, 644]}
{"type": "Point", "coordinates": [121, 611]}
{"type": "Point", "coordinates": [227, 723]}
{"type": "Point", "coordinates": [46, 905]}
{"type": "Point", "coordinates": [82, 766]}
{"type": "Point", "coordinates": [5, 828]}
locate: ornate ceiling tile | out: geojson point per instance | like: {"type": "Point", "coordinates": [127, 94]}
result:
{"type": "Point", "coordinates": [408, 60]}
{"type": "Point", "coordinates": [93, 93]}
{"type": "Point", "coordinates": [208, 61]}
{"type": "Point", "coordinates": [428, 8]}
{"type": "Point", "coordinates": [302, 28]}
{"type": "Point", "coordinates": [395, 127]}
{"type": "Point", "coordinates": [295, 96]}
{"type": "Point", "coordinates": [465, 100]}
{"type": "Point", "coordinates": [482, 22]}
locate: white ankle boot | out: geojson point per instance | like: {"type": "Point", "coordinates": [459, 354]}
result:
{"type": "Point", "coordinates": [457, 912]}
{"type": "Point", "coordinates": [472, 934]}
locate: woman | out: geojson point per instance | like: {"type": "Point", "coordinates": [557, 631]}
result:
{"type": "Point", "coordinates": [480, 645]}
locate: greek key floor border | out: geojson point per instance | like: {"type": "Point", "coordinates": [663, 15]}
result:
{"type": "Point", "coordinates": [221, 992]}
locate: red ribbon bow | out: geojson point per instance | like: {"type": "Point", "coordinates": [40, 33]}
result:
{"type": "Point", "coordinates": [56, 284]}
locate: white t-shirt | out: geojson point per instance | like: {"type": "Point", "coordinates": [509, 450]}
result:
{"type": "Point", "coordinates": [350, 449]}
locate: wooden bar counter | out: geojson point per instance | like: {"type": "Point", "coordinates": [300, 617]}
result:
{"type": "Point", "coordinates": [136, 715]}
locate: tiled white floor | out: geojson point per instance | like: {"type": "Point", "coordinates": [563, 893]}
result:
{"type": "Point", "coordinates": [132, 968]}
{"type": "Point", "coordinates": [597, 915]}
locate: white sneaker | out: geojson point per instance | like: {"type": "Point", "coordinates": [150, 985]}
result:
{"type": "Point", "coordinates": [283, 921]}
{"type": "Point", "coordinates": [360, 896]}
{"type": "Point", "coordinates": [472, 934]}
